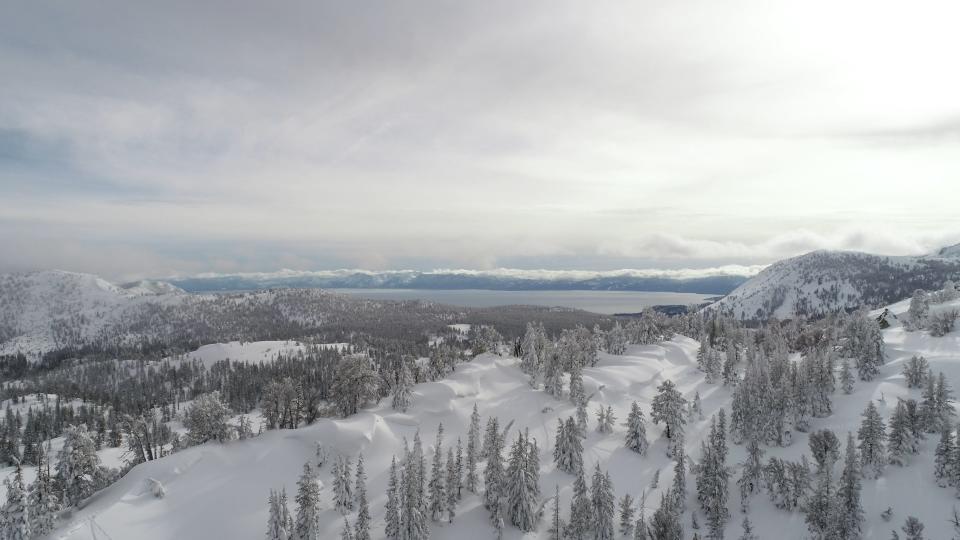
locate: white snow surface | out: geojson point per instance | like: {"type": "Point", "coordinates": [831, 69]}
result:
{"type": "Point", "coordinates": [220, 490]}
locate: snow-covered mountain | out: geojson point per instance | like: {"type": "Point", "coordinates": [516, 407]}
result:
{"type": "Point", "coordinates": [828, 281]}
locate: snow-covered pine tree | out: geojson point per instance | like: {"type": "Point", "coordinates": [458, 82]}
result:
{"type": "Point", "coordinates": [846, 377]}
{"type": "Point", "coordinates": [900, 440]}
{"type": "Point", "coordinates": [581, 518]}
{"type": "Point", "coordinates": [713, 478]}
{"type": "Point", "coordinates": [78, 466]}
{"type": "Point", "coordinates": [748, 530]}
{"type": "Point", "coordinates": [458, 470]}
{"type": "Point", "coordinates": [473, 449]}
{"type": "Point", "coordinates": [696, 408]}
{"type": "Point", "coordinates": [626, 515]}
{"type": "Point", "coordinates": [437, 488]}
{"type": "Point", "coordinates": [493, 474]}
{"type": "Point", "coordinates": [414, 514]}
{"type": "Point", "coordinates": [604, 505]}
{"type": "Point", "coordinates": [912, 529]}
{"type": "Point", "coordinates": [42, 499]}
{"type": "Point", "coordinates": [581, 417]}
{"type": "Point", "coordinates": [928, 410]}
{"type": "Point", "coordinates": [943, 399]}
{"type": "Point", "coordinates": [452, 486]}
{"type": "Point", "coordinates": [679, 487]}
{"type": "Point", "coordinates": [872, 432]}
{"type": "Point", "coordinates": [849, 512]}
{"type": "Point", "coordinates": [206, 419]}
{"type": "Point", "coordinates": [943, 456]}
{"type": "Point", "coordinates": [636, 430]}
{"type": "Point", "coordinates": [361, 529]}
{"type": "Point", "coordinates": [668, 407]}
{"type": "Point", "coordinates": [14, 515]}
{"type": "Point", "coordinates": [819, 507]}
{"type": "Point", "coordinates": [640, 529]}
{"type": "Point", "coordinates": [568, 448]}
{"type": "Point", "coordinates": [825, 448]}
{"type": "Point", "coordinates": [491, 436]}
{"type": "Point", "coordinates": [345, 533]}
{"type": "Point", "coordinates": [402, 391]}
{"type": "Point", "coordinates": [751, 474]}
{"type": "Point", "coordinates": [520, 487]}
{"type": "Point", "coordinates": [342, 488]}
{"type": "Point", "coordinates": [553, 373]}
{"type": "Point", "coordinates": [276, 528]}
{"type": "Point", "coordinates": [557, 526]}
{"type": "Point", "coordinates": [392, 513]}
{"type": "Point", "coordinates": [534, 347]}
{"type": "Point", "coordinates": [665, 523]}
{"type": "Point", "coordinates": [307, 525]}
{"type": "Point", "coordinates": [919, 311]}
{"type": "Point", "coordinates": [915, 371]}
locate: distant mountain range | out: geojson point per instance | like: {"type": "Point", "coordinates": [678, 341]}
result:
{"type": "Point", "coordinates": [822, 282]}
{"type": "Point", "coordinates": [710, 281]}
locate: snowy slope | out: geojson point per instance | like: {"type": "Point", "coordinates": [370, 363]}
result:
{"type": "Point", "coordinates": [827, 281]}
{"type": "Point", "coordinates": [43, 310]}
{"type": "Point", "coordinates": [219, 491]}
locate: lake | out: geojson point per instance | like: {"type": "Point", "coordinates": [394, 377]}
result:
{"type": "Point", "coordinates": [605, 302]}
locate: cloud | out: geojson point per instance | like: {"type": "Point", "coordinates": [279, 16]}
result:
{"type": "Point", "coordinates": [238, 136]}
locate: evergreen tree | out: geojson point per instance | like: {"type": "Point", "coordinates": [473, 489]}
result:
{"type": "Point", "coordinates": [915, 371]}
{"type": "Point", "coordinates": [943, 456]}
{"type": "Point", "coordinates": [913, 529]}
{"type": "Point", "coordinates": [342, 489]}
{"type": "Point", "coordinates": [825, 448]}
{"type": "Point", "coordinates": [556, 530]}
{"type": "Point", "coordinates": [414, 512]}
{"type": "Point", "coordinates": [362, 523]}
{"type": "Point", "coordinates": [818, 507]}
{"type": "Point", "coordinates": [452, 487]}
{"type": "Point", "coordinates": [14, 516]}
{"type": "Point", "coordinates": [626, 515]}
{"type": "Point", "coordinates": [849, 511]}
{"type": "Point", "coordinates": [846, 377]}
{"type": "Point", "coordinates": [636, 430]}
{"type": "Point", "coordinates": [668, 407]}
{"type": "Point", "coordinates": [345, 533]}
{"type": "Point", "coordinates": [78, 466]}
{"type": "Point", "coordinates": [521, 487]}
{"type": "Point", "coordinates": [473, 447]}
{"type": "Point", "coordinates": [640, 529]}
{"type": "Point", "coordinates": [276, 525]}
{"type": "Point", "coordinates": [665, 523]}
{"type": "Point", "coordinates": [493, 474]}
{"type": "Point", "coordinates": [402, 391]}
{"type": "Point", "coordinates": [437, 487]}
{"type": "Point", "coordinates": [873, 456]}
{"type": "Point", "coordinates": [679, 488]}
{"type": "Point", "coordinates": [581, 518]}
{"type": "Point", "coordinates": [900, 440]}
{"type": "Point", "coordinates": [748, 530]}
{"type": "Point", "coordinates": [568, 449]}
{"type": "Point", "coordinates": [751, 474]}
{"type": "Point", "coordinates": [307, 525]}
{"type": "Point", "coordinates": [392, 514]}
{"type": "Point", "coordinates": [603, 504]}
{"type": "Point", "coordinates": [42, 500]}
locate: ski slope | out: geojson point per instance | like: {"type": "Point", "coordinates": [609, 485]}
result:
{"type": "Point", "coordinates": [220, 491]}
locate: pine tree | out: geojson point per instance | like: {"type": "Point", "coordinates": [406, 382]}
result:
{"type": "Point", "coordinates": [307, 525]}
{"type": "Point", "coordinates": [873, 456]}
{"type": "Point", "coordinates": [751, 474]}
{"type": "Point", "coordinates": [818, 507]}
{"type": "Point", "coordinates": [556, 530]}
{"type": "Point", "coordinates": [581, 417]}
{"type": "Point", "coordinates": [14, 518]}
{"type": "Point", "coordinates": [453, 486]}
{"type": "Point", "coordinates": [42, 500]}
{"type": "Point", "coordinates": [900, 440]}
{"type": "Point", "coordinates": [402, 391]}
{"type": "Point", "coordinates": [713, 477]}
{"type": "Point", "coordinates": [345, 533]}
{"type": "Point", "coordinates": [626, 515]}
{"type": "Point", "coordinates": [581, 518]}
{"type": "Point", "coordinates": [846, 377]}
{"type": "Point", "coordinates": [603, 503]}
{"type": "Point", "coordinates": [943, 456]}
{"type": "Point", "coordinates": [493, 474]}
{"type": "Point", "coordinates": [414, 512]}
{"type": "Point", "coordinates": [362, 523]}
{"type": "Point", "coordinates": [568, 449]}
{"type": "Point", "coordinates": [392, 514]}
{"type": "Point", "coordinates": [437, 487]}
{"type": "Point", "coordinates": [748, 530]}
{"type": "Point", "coordinates": [78, 466]}
{"type": "Point", "coordinates": [665, 523]}
{"type": "Point", "coordinates": [944, 400]}
{"type": "Point", "coordinates": [276, 525]}
{"type": "Point", "coordinates": [913, 529]}
{"type": "Point", "coordinates": [668, 407]}
{"type": "Point", "coordinates": [640, 529]}
{"type": "Point", "coordinates": [849, 519]}
{"type": "Point", "coordinates": [342, 489]}
{"type": "Point", "coordinates": [521, 487]}
{"type": "Point", "coordinates": [636, 430]}
{"type": "Point", "coordinates": [679, 488]}
{"type": "Point", "coordinates": [473, 447]}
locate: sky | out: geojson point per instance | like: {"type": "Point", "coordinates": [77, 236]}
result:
{"type": "Point", "coordinates": [170, 138]}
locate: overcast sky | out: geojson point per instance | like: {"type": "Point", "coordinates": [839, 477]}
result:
{"type": "Point", "coordinates": [149, 139]}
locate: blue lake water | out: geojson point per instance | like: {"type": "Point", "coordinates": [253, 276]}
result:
{"type": "Point", "coordinates": [605, 302]}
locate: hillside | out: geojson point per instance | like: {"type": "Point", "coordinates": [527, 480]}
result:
{"type": "Point", "coordinates": [221, 490]}
{"type": "Point", "coordinates": [822, 282]}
